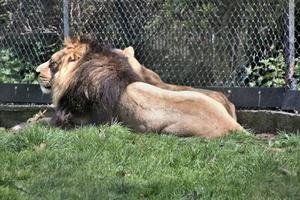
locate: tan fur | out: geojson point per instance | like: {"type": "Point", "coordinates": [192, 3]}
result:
{"type": "Point", "coordinates": [144, 107]}
{"type": "Point", "coordinates": [152, 78]}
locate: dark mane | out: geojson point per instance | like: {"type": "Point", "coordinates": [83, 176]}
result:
{"type": "Point", "coordinates": [101, 77]}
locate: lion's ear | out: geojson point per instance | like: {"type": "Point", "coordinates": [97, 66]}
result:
{"type": "Point", "coordinates": [129, 50]}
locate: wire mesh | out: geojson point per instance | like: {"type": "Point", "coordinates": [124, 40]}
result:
{"type": "Point", "coordinates": [29, 32]}
{"type": "Point", "coordinates": [189, 42]}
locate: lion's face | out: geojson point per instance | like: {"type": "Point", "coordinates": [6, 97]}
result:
{"type": "Point", "coordinates": [55, 75]}
{"type": "Point", "coordinates": [48, 70]}
{"type": "Point", "coordinates": [55, 71]}
{"type": "Point", "coordinates": [44, 77]}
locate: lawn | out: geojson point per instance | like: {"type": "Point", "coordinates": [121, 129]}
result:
{"type": "Point", "coordinates": [110, 162]}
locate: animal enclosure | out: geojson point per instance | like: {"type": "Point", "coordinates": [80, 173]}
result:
{"type": "Point", "coordinates": [242, 44]}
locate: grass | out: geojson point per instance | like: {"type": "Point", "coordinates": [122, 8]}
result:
{"type": "Point", "coordinates": [110, 162]}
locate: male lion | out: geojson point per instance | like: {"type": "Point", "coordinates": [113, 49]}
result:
{"type": "Point", "coordinates": [92, 84]}
{"type": "Point", "coordinates": [148, 76]}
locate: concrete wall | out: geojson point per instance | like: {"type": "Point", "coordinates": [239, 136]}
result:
{"type": "Point", "coordinates": [261, 121]}
{"type": "Point", "coordinates": [264, 121]}
{"type": "Point", "coordinates": [11, 115]}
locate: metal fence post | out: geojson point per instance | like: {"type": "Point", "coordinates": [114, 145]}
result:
{"type": "Point", "coordinates": [289, 46]}
{"type": "Point", "coordinates": [66, 18]}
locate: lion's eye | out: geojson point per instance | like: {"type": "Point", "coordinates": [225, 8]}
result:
{"type": "Point", "coordinates": [52, 66]}
{"type": "Point", "coordinates": [51, 63]}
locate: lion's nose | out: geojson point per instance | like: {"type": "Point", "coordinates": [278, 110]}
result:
{"type": "Point", "coordinates": [37, 72]}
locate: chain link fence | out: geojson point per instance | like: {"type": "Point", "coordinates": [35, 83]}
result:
{"type": "Point", "coordinates": [191, 42]}
{"type": "Point", "coordinates": [30, 31]}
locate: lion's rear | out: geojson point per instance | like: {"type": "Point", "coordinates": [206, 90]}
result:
{"type": "Point", "coordinates": [177, 112]}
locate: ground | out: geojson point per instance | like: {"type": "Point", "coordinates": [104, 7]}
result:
{"type": "Point", "coordinates": [110, 162]}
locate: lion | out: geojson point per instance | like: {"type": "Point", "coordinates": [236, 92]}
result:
{"type": "Point", "coordinates": [152, 78]}
{"type": "Point", "coordinates": [90, 83]}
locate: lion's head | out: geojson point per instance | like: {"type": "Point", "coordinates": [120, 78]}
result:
{"type": "Point", "coordinates": [59, 66]}
{"type": "Point", "coordinates": [84, 75]}
{"type": "Point", "coordinates": [61, 63]}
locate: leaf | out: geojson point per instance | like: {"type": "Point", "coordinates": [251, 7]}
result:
{"type": "Point", "coordinates": [272, 67]}
{"type": "Point", "coordinates": [6, 72]}
{"type": "Point", "coordinates": [248, 70]}
{"type": "Point", "coordinates": [252, 84]}
{"type": "Point", "coordinates": [260, 79]}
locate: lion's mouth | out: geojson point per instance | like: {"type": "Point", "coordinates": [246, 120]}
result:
{"type": "Point", "coordinates": [45, 86]}
{"type": "Point", "coordinates": [45, 90]}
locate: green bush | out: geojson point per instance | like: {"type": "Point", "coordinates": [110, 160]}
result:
{"type": "Point", "coordinates": [269, 72]}
{"type": "Point", "coordinates": [10, 69]}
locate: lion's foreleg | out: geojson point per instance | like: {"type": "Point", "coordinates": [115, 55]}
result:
{"type": "Point", "coordinates": [62, 118]}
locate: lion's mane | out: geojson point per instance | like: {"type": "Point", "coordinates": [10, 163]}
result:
{"type": "Point", "coordinates": [98, 80]}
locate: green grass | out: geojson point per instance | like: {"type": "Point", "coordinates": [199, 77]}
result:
{"type": "Point", "coordinates": [110, 162]}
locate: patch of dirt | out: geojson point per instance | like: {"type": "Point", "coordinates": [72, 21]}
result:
{"type": "Point", "coordinates": [39, 147]}
{"type": "Point", "coordinates": [265, 136]}
{"type": "Point", "coordinates": [277, 150]}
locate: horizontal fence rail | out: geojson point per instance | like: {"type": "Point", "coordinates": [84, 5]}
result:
{"type": "Point", "coordinates": [23, 94]}
{"type": "Point", "coordinates": [255, 98]}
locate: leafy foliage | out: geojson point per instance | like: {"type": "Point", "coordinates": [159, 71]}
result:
{"type": "Point", "coordinates": [269, 72]}
{"type": "Point", "coordinates": [10, 69]}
